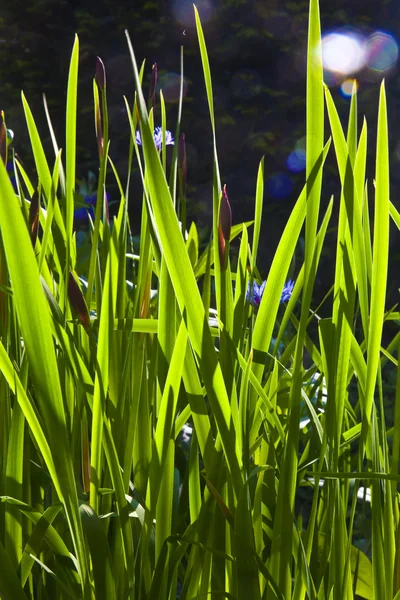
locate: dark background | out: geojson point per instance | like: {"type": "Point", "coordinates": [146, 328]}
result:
{"type": "Point", "coordinates": [257, 53]}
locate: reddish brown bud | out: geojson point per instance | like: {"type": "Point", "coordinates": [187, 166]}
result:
{"type": "Point", "coordinates": [153, 86]}
{"type": "Point", "coordinates": [137, 113]}
{"type": "Point", "coordinates": [3, 139]}
{"type": "Point", "coordinates": [224, 508]}
{"type": "Point", "coordinates": [78, 303]}
{"type": "Point", "coordinates": [99, 132]}
{"type": "Point", "coordinates": [100, 74]}
{"type": "Point", "coordinates": [225, 215]}
{"type": "Point", "coordinates": [34, 217]}
{"type": "Point", "coordinates": [224, 228]}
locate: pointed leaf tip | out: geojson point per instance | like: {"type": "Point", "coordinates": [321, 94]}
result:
{"type": "Point", "coordinates": [100, 74]}
{"type": "Point", "coordinates": [225, 215]}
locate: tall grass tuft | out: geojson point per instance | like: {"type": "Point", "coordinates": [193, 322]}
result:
{"type": "Point", "coordinates": [172, 425]}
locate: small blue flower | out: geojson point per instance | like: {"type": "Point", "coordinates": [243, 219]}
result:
{"type": "Point", "coordinates": [10, 171]}
{"type": "Point", "coordinates": [86, 199]}
{"type": "Point", "coordinates": [255, 295]}
{"type": "Point", "coordinates": [81, 214]}
{"type": "Point", "coordinates": [287, 291]}
{"type": "Point", "coordinates": [169, 140]}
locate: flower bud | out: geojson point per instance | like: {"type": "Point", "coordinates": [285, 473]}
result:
{"type": "Point", "coordinates": [3, 138]}
{"type": "Point", "coordinates": [100, 74]}
{"type": "Point", "coordinates": [153, 87]}
{"type": "Point", "coordinates": [34, 217]}
{"type": "Point", "coordinates": [78, 302]}
{"type": "Point", "coordinates": [224, 228]}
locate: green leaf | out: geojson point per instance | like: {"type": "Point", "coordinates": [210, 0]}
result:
{"type": "Point", "coordinates": [10, 587]}
{"type": "Point", "coordinates": [361, 570]}
{"type": "Point", "coordinates": [184, 283]}
{"type": "Point", "coordinates": [99, 553]}
{"type": "Point", "coordinates": [34, 320]}
{"type": "Point", "coordinates": [380, 255]}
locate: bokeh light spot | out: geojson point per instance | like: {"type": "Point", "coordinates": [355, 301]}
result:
{"type": "Point", "coordinates": [382, 51]}
{"type": "Point", "coordinates": [343, 52]}
{"type": "Point", "coordinates": [279, 186]}
{"type": "Point", "coordinates": [301, 144]}
{"type": "Point", "coordinates": [296, 161]}
{"type": "Point", "coordinates": [170, 84]}
{"type": "Point", "coordinates": [182, 11]}
{"type": "Point", "coordinates": [346, 89]}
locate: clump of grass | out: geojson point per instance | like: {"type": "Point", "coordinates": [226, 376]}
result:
{"type": "Point", "coordinates": [153, 404]}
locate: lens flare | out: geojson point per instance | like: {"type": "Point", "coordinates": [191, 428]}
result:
{"type": "Point", "coordinates": [280, 185]}
{"type": "Point", "coordinates": [382, 51]}
{"type": "Point", "coordinates": [182, 11]}
{"type": "Point", "coordinates": [346, 89]}
{"type": "Point", "coordinates": [343, 52]}
{"type": "Point", "coordinates": [296, 161]}
{"type": "Point", "coordinates": [170, 84]}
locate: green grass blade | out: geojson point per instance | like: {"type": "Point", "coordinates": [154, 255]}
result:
{"type": "Point", "coordinates": [28, 407]}
{"type": "Point", "coordinates": [101, 388]}
{"type": "Point", "coordinates": [216, 174]}
{"type": "Point", "coordinates": [35, 541]}
{"type": "Point", "coordinates": [277, 275]}
{"type": "Point", "coordinates": [380, 254]}
{"type": "Point", "coordinates": [10, 587]}
{"type": "Point", "coordinates": [70, 154]}
{"type": "Point", "coordinates": [99, 553]}
{"type": "Point", "coordinates": [31, 306]}
{"type": "Point", "coordinates": [257, 214]}
{"type": "Point", "coordinates": [281, 561]}
{"type": "Point", "coordinates": [187, 293]}
{"type": "Point", "coordinates": [45, 179]}
{"type": "Point", "coordinates": [59, 172]}
{"type": "Point", "coordinates": [13, 485]}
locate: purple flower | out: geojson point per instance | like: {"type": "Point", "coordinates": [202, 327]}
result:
{"type": "Point", "coordinates": [287, 291]}
{"type": "Point", "coordinates": [81, 214]}
{"type": "Point", "coordinates": [169, 140]}
{"type": "Point", "coordinates": [10, 171]}
{"type": "Point", "coordinates": [255, 295]}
